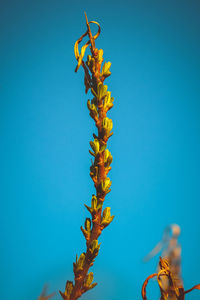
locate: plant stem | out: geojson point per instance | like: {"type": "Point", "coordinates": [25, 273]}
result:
{"type": "Point", "coordinates": [102, 102]}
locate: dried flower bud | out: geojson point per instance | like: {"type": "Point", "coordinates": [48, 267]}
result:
{"type": "Point", "coordinates": [101, 91]}
{"type": "Point", "coordinates": [106, 69]}
{"type": "Point", "coordinates": [88, 224]}
{"type": "Point", "coordinates": [108, 101]}
{"type": "Point", "coordinates": [105, 185]}
{"type": "Point", "coordinates": [107, 158]}
{"type": "Point", "coordinates": [94, 248]}
{"type": "Point", "coordinates": [95, 146]}
{"type": "Point", "coordinates": [106, 218]}
{"type": "Point", "coordinates": [107, 125]}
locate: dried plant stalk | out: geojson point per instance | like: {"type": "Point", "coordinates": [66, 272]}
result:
{"type": "Point", "coordinates": [98, 107]}
{"type": "Point", "coordinates": [173, 291]}
{"type": "Point", "coordinates": [44, 296]}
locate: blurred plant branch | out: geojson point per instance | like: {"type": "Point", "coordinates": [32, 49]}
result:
{"type": "Point", "coordinates": [43, 295]}
{"type": "Point", "coordinates": [169, 281]}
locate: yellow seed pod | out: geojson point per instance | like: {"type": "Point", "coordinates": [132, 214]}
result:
{"type": "Point", "coordinates": [94, 202]}
{"type": "Point", "coordinates": [106, 184]}
{"type": "Point", "coordinates": [107, 125]}
{"type": "Point", "coordinates": [107, 158]}
{"type": "Point", "coordinates": [69, 288]}
{"type": "Point", "coordinates": [101, 91]}
{"type": "Point", "coordinates": [106, 69]}
{"type": "Point", "coordinates": [95, 146]}
{"type": "Point", "coordinates": [108, 101]}
{"type": "Point", "coordinates": [81, 262]}
{"type": "Point", "coordinates": [100, 55]}
{"type": "Point", "coordinates": [106, 213]}
{"type": "Point", "coordinates": [106, 218]}
{"type": "Point", "coordinates": [89, 279]}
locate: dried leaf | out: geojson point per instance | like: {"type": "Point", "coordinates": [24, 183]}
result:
{"type": "Point", "coordinates": [196, 287]}
{"type": "Point", "coordinates": [79, 56]}
{"type": "Point", "coordinates": [144, 296]}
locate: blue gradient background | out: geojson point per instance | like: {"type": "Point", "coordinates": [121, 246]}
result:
{"type": "Point", "coordinates": [154, 48]}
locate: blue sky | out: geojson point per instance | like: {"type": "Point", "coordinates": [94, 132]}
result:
{"type": "Point", "coordinates": [45, 132]}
